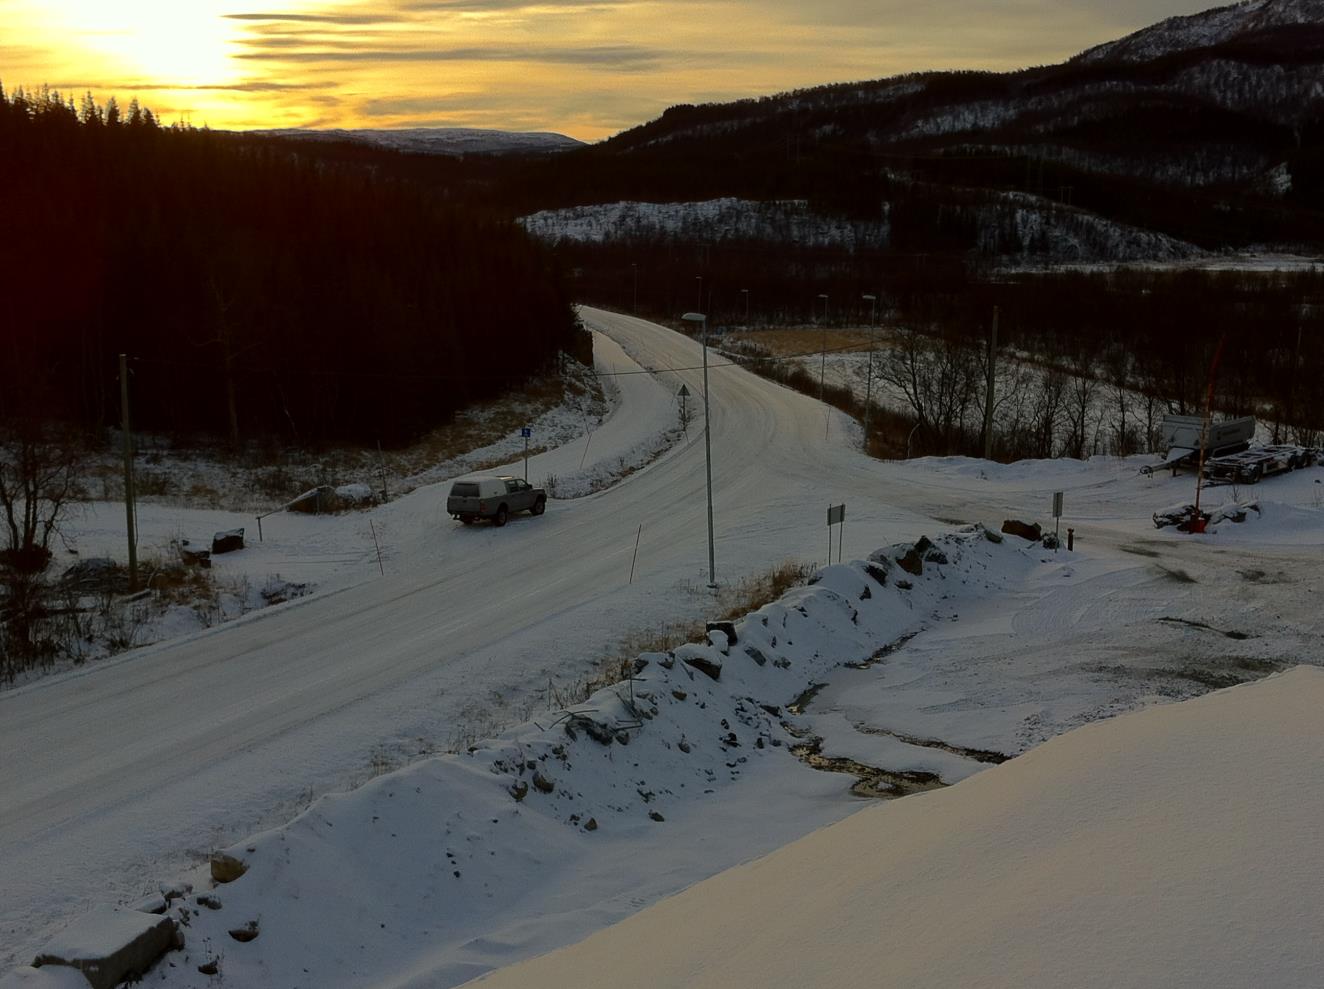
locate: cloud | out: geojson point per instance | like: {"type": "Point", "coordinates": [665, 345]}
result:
{"type": "Point", "coordinates": [312, 18]}
{"type": "Point", "coordinates": [470, 6]}
{"type": "Point", "coordinates": [622, 58]}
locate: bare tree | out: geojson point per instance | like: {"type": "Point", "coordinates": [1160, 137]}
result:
{"type": "Point", "coordinates": [1080, 405]}
{"type": "Point", "coordinates": [940, 379]}
{"type": "Point", "coordinates": [1049, 408]}
{"type": "Point", "coordinates": [39, 478]}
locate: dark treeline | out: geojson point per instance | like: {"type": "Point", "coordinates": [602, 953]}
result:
{"type": "Point", "coordinates": [259, 292]}
{"type": "Point", "coordinates": [1151, 331]}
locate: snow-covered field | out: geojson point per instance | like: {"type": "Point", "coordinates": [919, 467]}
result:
{"type": "Point", "coordinates": [128, 774]}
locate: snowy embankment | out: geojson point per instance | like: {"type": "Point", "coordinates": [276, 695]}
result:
{"type": "Point", "coordinates": [464, 863]}
{"type": "Point", "coordinates": [1176, 847]}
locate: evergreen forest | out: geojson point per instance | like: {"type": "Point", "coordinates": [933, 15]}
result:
{"type": "Point", "coordinates": [256, 292]}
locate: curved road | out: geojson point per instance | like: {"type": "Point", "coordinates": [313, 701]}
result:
{"type": "Point", "coordinates": [124, 775]}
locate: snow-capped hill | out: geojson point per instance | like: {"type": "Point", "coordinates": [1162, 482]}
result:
{"type": "Point", "coordinates": [441, 140]}
{"type": "Point", "coordinates": [714, 220]}
{"type": "Point", "coordinates": [1207, 28]}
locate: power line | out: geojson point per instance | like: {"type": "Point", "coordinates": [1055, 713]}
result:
{"type": "Point", "coordinates": [390, 376]}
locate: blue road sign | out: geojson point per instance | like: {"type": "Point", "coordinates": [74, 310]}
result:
{"type": "Point", "coordinates": [526, 432]}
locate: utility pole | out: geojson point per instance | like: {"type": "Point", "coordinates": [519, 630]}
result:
{"type": "Point", "coordinates": [988, 392]}
{"type": "Point", "coordinates": [128, 471]}
{"type": "Point", "coordinates": [868, 379]}
{"type": "Point", "coordinates": [822, 368]}
{"type": "Point", "coordinates": [702, 320]}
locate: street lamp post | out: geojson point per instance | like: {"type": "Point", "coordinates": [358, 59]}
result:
{"type": "Point", "coordinates": [702, 320]}
{"type": "Point", "coordinates": [699, 279]}
{"type": "Point", "coordinates": [822, 371]}
{"type": "Point", "coordinates": [868, 378]}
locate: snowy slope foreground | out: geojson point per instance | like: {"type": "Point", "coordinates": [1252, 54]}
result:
{"type": "Point", "coordinates": [464, 863]}
{"type": "Point", "coordinates": [1177, 846]}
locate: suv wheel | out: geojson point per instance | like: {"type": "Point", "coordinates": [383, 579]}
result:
{"type": "Point", "coordinates": [499, 519]}
{"type": "Point", "coordinates": [539, 507]}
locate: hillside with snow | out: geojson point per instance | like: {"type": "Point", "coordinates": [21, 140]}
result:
{"type": "Point", "coordinates": [1203, 131]}
{"type": "Point", "coordinates": [1205, 29]}
{"type": "Point", "coordinates": [451, 141]}
{"type": "Point", "coordinates": [718, 220]}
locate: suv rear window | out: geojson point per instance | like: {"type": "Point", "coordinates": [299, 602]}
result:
{"type": "Point", "coordinates": [464, 489]}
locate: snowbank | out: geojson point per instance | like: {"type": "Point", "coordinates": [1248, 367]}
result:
{"type": "Point", "coordinates": [1175, 846]}
{"type": "Point", "coordinates": [565, 824]}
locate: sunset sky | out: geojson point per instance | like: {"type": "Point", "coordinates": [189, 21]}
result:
{"type": "Point", "coordinates": [587, 68]}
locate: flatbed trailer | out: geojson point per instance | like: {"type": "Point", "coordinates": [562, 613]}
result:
{"type": "Point", "coordinates": [1254, 465]}
{"type": "Point", "coordinates": [1182, 436]}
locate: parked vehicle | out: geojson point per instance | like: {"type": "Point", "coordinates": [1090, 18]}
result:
{"type": "Point", "coordinates": [1254, 465]}
{"type": "Point", "coordinates": [493, 497]}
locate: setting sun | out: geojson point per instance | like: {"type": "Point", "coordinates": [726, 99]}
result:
{"type": "Point", "coordinates": [587, 69]}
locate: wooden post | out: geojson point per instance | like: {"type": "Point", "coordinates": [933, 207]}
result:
{"type": "Point", "coordinates": [128, 472]}
{"type": "Point", "coordinates": [636, 551]}
{"type": "Point", "coordinates": [379, 547]}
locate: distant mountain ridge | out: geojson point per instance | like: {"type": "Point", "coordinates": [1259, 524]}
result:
{"type": "Point", "coordinates": [1205, 29]}
{"type": "Point", "coordinates": [1206, 131]}
{"type": "Point", "coordinates": [439, 140]}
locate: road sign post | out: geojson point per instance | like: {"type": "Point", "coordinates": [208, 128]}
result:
{"type": "Point", "coordinates": [1057, 518]}
{"type": "Point", "coordinates": [683, 394]}
{"type": "Point", "coordinates": [526, 432]}
{"type": "Point", "coordinates": [836, 516]}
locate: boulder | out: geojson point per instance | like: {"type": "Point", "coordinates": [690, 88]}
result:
{"type": "Point", "coordinates": [728, 628]}
{"type": "Point", "coordinates": [595, 729]}
{"type": "Point", "coordinates": [110, 944]}
{"type": "Point", "coordinates": [705, 659]}
{"type": "Point", "coordinates": [46, 977]}
{"type": "Point", "coordinates": [993, 537]}
{"type": "Point", "coordinates": [226, 868]}
{"type": "Point", "coordinates": [1014, 527]}
{"type": "Point", "coordinates": [912, 562]}
{"type": "Point", "coordinates": [193, 556]}
{"type": "Point", "coordinates": [227, 541]}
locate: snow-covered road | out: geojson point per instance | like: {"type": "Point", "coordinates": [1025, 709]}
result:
{"type": "Point", "coordinates": [125, 773]}
{"type": "Point", "coordinates": [119, 773]}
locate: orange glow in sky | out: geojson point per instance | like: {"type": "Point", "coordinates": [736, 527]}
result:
{"type": "Point", "coordinates": [587, 68]}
